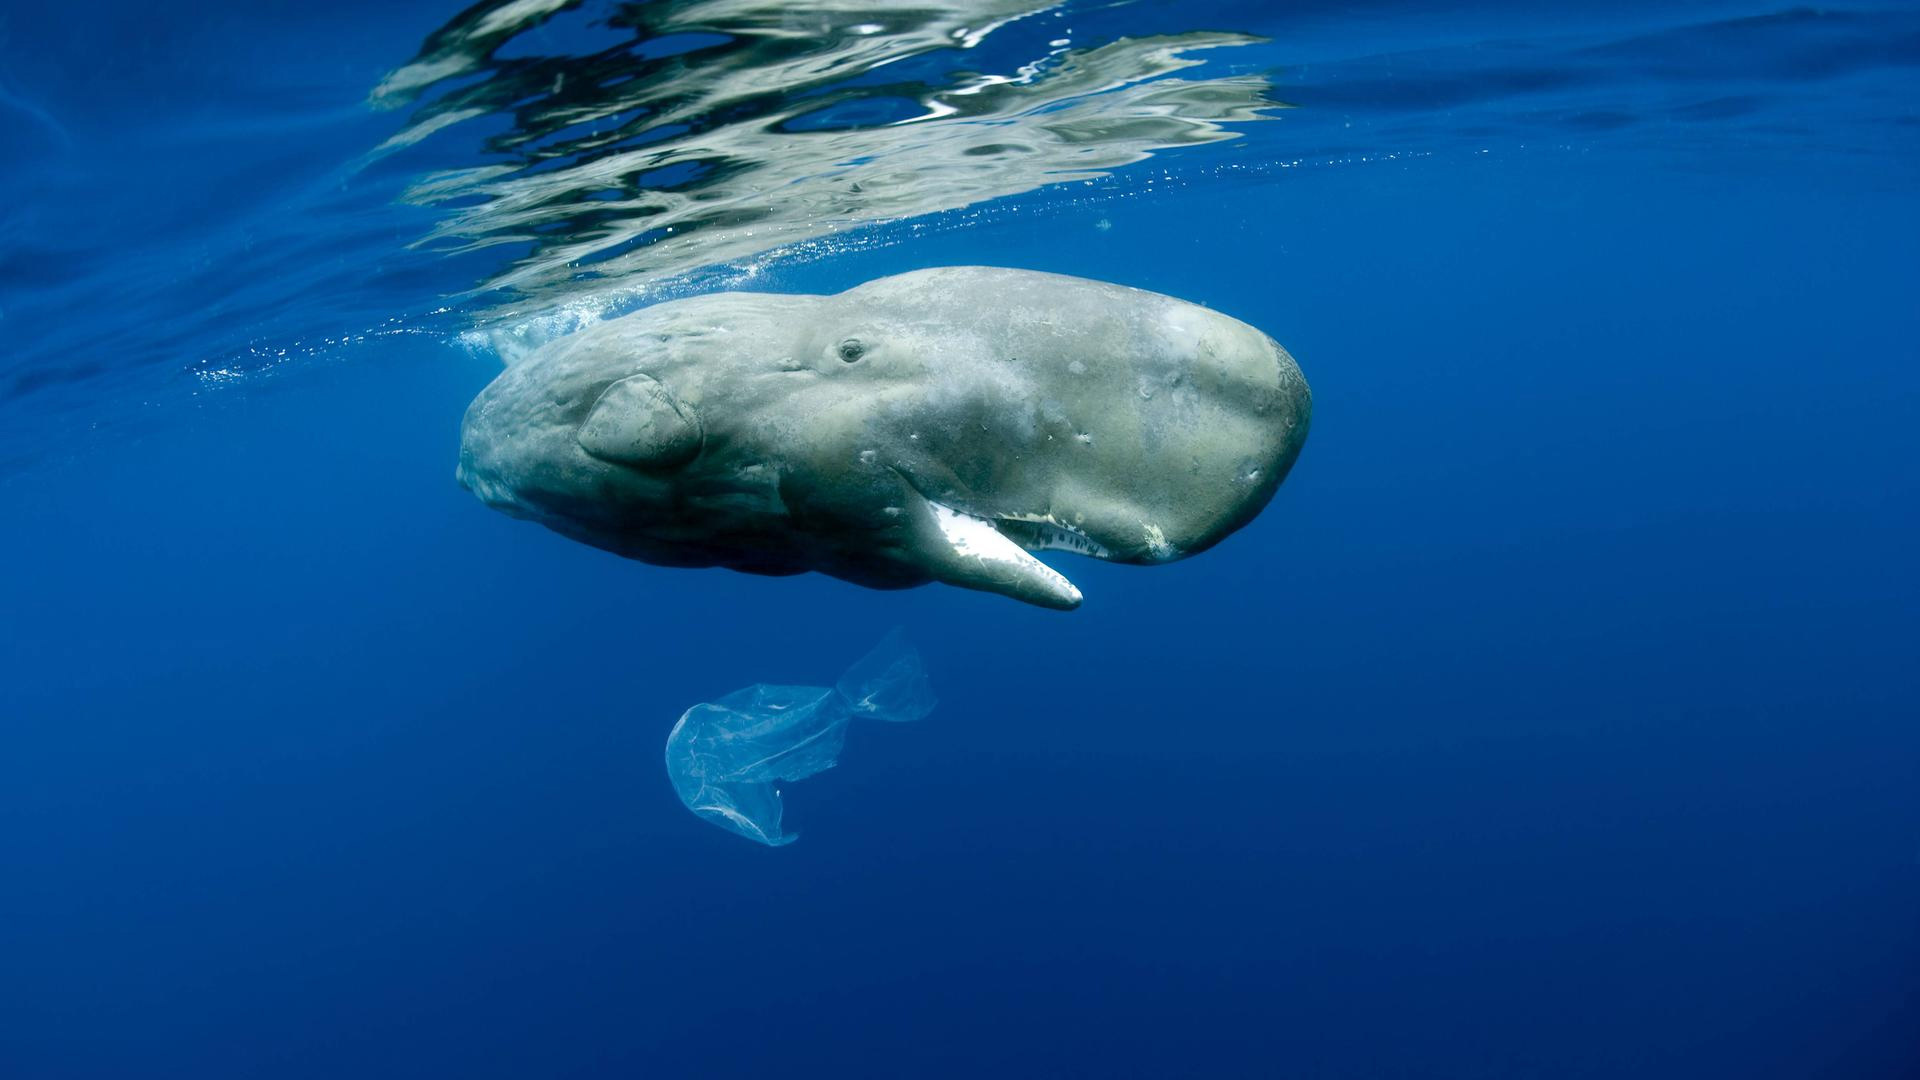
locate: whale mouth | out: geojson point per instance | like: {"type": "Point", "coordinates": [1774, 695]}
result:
{"type": "Point", "coordinates": [1038, 532]}
{"type": "Point", "coordinates": [981, 555]}
{"type": "Point", "coordinates": [991, 552]}
{"type": "Point", "coordinates": [1031, 532]}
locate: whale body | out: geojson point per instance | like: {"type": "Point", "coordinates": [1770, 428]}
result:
{"type": "Point", "coordinates": [938, 425]}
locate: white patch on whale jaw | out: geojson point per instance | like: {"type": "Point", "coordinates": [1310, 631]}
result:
{"type": "Point", "coordinates": [1000, 559]}
{"type": "Point", "coordinates": [1157, 546]}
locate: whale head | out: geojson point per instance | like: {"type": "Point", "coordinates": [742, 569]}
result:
{"type": "Point", "coordinates": [939, 425]}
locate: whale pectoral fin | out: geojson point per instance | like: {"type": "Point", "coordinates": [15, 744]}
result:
{"type": "Point", "coordinates": [960, 549]}
{"type": "Point", "coordinates": [640, 423]}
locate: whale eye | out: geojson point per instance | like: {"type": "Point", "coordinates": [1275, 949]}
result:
{"type": "Point", "coordinates": [852, 349]}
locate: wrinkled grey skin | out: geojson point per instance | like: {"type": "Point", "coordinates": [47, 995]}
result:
{"type": "Point", "coordinates": [932, 426]}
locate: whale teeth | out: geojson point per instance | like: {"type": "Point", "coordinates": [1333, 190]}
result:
{"type": "Point", "coordinates": [1037, 533]}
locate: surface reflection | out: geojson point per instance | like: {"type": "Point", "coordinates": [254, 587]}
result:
{"type": "Point", "coordinates": [630, 143]}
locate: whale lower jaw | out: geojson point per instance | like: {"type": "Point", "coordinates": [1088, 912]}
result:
{"type": "Point", "coordinates": [972, 551]}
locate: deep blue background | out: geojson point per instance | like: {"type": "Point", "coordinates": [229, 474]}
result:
{"type": "Point", "coordinates": [1558, 719]}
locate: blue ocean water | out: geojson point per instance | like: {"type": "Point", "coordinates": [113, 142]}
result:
{"type": "Point", "coordinates": [1559, 718]}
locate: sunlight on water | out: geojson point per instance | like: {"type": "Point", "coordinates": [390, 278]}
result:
{"type": "Point", "coordinates": [722, 132]}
